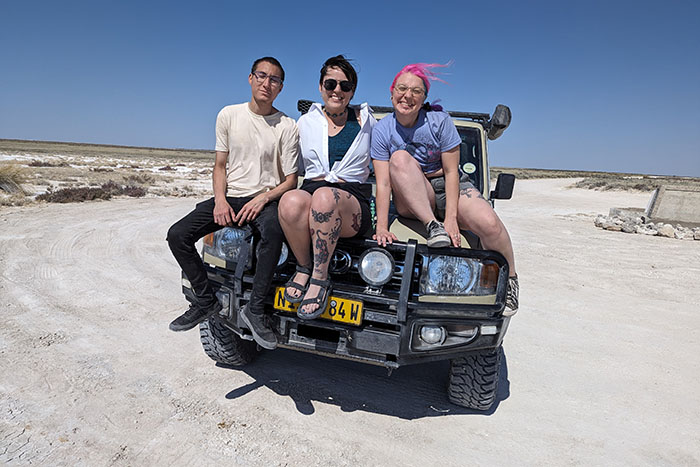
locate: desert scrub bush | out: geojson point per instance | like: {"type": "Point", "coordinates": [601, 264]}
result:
{"type": "Point", "coordinates": [116, 189]}
{"type": "Point", "coordinates": [15, 199]}
{"type": "Point", "coordinates": [38, 163]}
{"type": "Point", "coordinates": [77, 195]}
{"type": "Point", "coordinates": [11, 178]}
{"type": "Point", "coordinates": [142, 179]}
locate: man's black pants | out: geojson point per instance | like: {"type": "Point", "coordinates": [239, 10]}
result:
{"type": "Point", "coordinates": [183, 235]}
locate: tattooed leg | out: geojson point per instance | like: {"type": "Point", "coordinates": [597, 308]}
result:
{"type": "Point", "coordinates": [331, 217]}
{"type": "Point", "coordinates": [476, 214]}
{"type": "Point", "coordinates": [294, 219]}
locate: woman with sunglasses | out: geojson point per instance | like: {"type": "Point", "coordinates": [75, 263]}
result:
{"type": "Point", "coordinates": [333, 201]}
{"type": "Point", "coordinates": [415, 153]}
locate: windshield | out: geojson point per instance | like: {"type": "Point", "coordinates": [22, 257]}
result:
{"type": "Point", "coordinates": [470, 155]}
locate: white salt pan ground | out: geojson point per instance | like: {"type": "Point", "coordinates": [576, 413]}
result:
{"type": "Point", "coordinates": [602, 359]}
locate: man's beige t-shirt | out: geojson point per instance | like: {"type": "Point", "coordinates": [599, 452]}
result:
{"type": "Point", "coordinates": [262, 150]}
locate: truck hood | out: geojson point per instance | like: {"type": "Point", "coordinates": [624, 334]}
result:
{"type": "Point", "coordinates": [406, 229]}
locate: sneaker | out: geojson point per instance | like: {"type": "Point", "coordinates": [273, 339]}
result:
{"type": "Point", "coordinates": [437, 235]}
{"type": "Point", "coordinates": [262, 333]}
{"type": "Point", "coordinates": [512, 293]}
{"type": "Point", "coordinates": [195, 315]}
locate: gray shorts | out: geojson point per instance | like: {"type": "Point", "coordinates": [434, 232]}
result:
{"type": "Point", "coordinates": [438, 184]}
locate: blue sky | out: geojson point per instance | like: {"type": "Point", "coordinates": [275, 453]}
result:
{"type": "Point", "coordinates": [612, 86]}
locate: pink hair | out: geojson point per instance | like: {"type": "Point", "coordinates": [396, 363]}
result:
{"type": "Point", "coordinates": [423, 71]}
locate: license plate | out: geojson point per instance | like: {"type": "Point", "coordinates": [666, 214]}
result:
{"type": "Point", "coordinates": [340, 310]}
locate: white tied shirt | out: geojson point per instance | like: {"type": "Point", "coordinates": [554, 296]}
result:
{"type": "Point", "coordinates": [313, 142]}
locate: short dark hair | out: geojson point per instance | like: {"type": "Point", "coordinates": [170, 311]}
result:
{"type": "Point", "coordinates": [339, 61]}
{"type": "Point", "coordinates": [271, 61]}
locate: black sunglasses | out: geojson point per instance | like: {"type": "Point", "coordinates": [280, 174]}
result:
{"type": "Point", "coordinates": [330, 84]}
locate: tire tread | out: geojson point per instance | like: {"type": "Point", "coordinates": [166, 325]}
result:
{"type": "Point", "coordinates": [473, 381]}
{"type": "Point", "coordinates": [223, 345]}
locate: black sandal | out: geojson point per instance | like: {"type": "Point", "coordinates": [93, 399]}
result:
{"type": "Point", "coordinates": [296, 286]}
{"type": "Point", "coordinates": [321, 299]}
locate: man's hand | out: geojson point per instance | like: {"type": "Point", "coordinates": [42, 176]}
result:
{"type": "Point", "coordinates": [223, 213]}
{"type": "Point", "coordinates": [251, 209]}
{"type": "Point", "coordinates": [452, 229]}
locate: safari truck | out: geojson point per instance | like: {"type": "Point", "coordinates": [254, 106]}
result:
{"type": "Point", "coordinates": [391, 306]}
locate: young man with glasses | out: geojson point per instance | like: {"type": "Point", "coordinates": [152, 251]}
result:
{"type": "Point", "coordinates": [256, 162]}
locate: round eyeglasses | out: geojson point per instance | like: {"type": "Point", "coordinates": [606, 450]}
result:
{"type": "Point", "coordinates": [261, 76]}
{"type": "Point", "coordinates": [415, 92]}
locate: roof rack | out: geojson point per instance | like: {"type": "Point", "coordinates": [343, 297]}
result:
{"type": "Point", "coordinates": [303, 106]}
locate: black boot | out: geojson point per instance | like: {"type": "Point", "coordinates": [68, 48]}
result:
{"type": "Point", "coordinates": [195, 315]}
{"type": "Point", "coordinates": [262, 333]}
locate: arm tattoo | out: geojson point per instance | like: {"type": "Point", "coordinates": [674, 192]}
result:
{"type": "Point", "coordinates": [321, 217]}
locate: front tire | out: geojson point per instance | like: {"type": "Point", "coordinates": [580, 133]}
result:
{"type": "Point", "coordinates": [474, 379]}
{"type": "Point", "coordinates": [225, 346]}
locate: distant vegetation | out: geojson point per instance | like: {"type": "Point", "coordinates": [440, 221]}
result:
{"type": "Point", "coordinates": [74, 172]}
{"type": "Point", "coordinates": [38, 163]}
{"type": "Point", "coordinates": [106, 191]}
{"type": "Point", "coordinates": [99, 150]}
{"type": "Point", "coordinates": [601, 180]}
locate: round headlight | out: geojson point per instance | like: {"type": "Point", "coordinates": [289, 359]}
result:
{"type": "Point", "coordinates": [432, 334]}
{"type": "Point", "coordinates": [376, 266]}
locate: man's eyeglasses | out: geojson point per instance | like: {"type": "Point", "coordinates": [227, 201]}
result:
{"type": "Point", "coordinates": [330, 84]}
{"type": "Point", "coordinates": [402, 89]}
{"type": "Point", "coordinates": [261, 76]}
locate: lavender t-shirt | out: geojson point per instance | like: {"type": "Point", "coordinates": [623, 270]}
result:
{"type": "Point", "coordinates": [433, 134]}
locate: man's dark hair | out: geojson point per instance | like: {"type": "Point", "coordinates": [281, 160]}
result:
{"type": "Point", "coordinates": [339, 61]}
{"type": "Point", "coordinates": [271, 61]}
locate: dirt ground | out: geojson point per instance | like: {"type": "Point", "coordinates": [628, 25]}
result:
{"type": "Point", "coordinates": [601, 362]}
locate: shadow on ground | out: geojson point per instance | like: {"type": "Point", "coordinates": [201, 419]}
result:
{"type": "Point", "coordinates": [410, 392]}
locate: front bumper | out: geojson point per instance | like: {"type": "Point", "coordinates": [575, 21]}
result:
{"type": "Point", "coordinates": [389, 331]}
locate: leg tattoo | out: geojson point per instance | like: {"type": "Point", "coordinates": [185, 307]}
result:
{"type": "Point", "coordinates": [335, 232]}
{"type": "Point", "coordinates": [321, 217]}
{"type": "Point", "coordinates": [325, 241]}
{"type": "Point", "coordinates": [356, 221]}
{"type": "Point", "coordinates": [321, 254]}
{"type": "Point", "coordinates": [470, 193]}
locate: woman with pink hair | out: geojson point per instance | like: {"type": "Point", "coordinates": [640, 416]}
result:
{"type": "Point", "coordinates": [415, 152]}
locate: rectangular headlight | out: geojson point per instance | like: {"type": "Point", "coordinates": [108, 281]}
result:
{"type": "Point", "coordinates": [226, 244]}
{"type": "Point", "coordinates": [453, 275]}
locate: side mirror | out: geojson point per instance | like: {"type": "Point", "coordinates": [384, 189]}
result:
{"type": "Point", "coordinates": [504, 187]}
{"type": "Point", "coordinates": [499, 121]}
